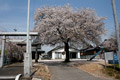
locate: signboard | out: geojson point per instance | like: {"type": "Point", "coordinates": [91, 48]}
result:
{"type": "Point", "coordinates": [109, 55]}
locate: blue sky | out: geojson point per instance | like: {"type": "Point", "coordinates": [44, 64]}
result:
{"type": "Point", "coordinates": [13, 13]}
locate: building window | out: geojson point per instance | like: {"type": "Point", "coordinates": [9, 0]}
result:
{"type": "Point", "coordinates": [73, 55]}
{"type": "Point", "coordinates": [58, 55]}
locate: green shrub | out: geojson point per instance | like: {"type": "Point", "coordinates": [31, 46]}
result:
{"type": "Point", "coordinates": [117, 77]}
{"type": "Point", "coordinates": [110, 73]}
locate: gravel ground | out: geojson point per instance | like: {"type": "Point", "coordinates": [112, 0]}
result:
{"type": "Point", "coordinates": [62, 71]}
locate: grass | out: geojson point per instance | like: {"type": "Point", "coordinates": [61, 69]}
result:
{"type": "Point", "coordinates": [117, 66]}
{"type": "Point", "coordinates": [42, 72]}
{"type": "Point", "coordinates": [113, 72]}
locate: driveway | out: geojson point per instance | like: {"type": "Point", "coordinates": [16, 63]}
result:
{"type": "Point", "coordinates": [63, 71]}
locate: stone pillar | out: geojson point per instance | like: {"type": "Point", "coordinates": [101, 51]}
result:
{"type": "Point", "coordinates": [2, 53]}
{"type": "Point", "coordinates": [53, 55]}
{"type": "Point", "coordinates": [36, 56]}
{"type": "Point", "coordinates": [27, 65]}
{"type": "Point", "coordinates": [30, 52]}
{"type": "Point", "coordinates": [78, 54]}
{"type": "Point", "coordinates": [27, 61]}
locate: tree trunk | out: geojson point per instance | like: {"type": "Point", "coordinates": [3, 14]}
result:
{"type": "Point", "coordinates": [67, 52]}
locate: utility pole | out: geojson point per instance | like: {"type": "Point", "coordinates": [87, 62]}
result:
{"type": "Point", "coordinates": [117, 29]}
{"type": "Point", "coordinates": [27, 63]}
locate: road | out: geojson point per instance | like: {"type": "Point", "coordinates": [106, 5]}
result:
{"type": "Point", "coordinates": [9, 72]}
{"type": "Point", "coordinates": [12, 70]}
{"type": "Point", "coordinates": [63, 71]}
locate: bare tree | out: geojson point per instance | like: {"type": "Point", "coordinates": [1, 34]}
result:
{"type": "Point", "coordinates": [64, 25]}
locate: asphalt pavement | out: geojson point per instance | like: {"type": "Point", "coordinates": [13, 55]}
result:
{"type": "Point", "coordinates": [58, 69]}
{"type": "Point", "coordinates": [12, 70]}
{"type": "Point", "coordinates": [63, 71]}
{"type": "Point", "coordinates": [9, 72]}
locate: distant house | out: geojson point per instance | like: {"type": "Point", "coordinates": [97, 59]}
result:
{"type": "Point", "coordinates": [89, 52]}
{"type": "Point", "coordinates": [36, 49]}
{"type": "Point", "coordinates": [58, 53]}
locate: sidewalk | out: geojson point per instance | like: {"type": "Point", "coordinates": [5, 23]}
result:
{"type": "Point", "coordinates": [12, 70]}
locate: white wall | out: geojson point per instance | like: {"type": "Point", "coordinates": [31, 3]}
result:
{"type": "Point", "coordinates": [62, 50]}
{"type": "Point", "coordinates": [78, 55]}
{"type": "Point", "coordinates": [53, 55]}
{"type": "Point", "coordinates": [47, 48]}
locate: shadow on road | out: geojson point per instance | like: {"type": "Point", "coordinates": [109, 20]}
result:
{"type": "Point", "coordinates": [62, 63]}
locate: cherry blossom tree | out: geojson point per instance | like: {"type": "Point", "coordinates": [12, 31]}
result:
{"type": "Point", "coordinates": [111, 43]}
{"type": "Point", "coordinates": [68, 26]}
{"type": "Point", "coordinates": [14, 52]}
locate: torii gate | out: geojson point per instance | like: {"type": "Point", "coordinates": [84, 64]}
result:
{"type": "Point", "coordinates": [27, 57]}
